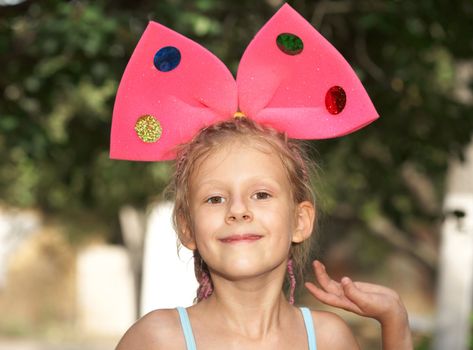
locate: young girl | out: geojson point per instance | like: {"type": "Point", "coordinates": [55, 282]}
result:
{"type": "Point", "coordinates": [244, 205]}
{"type": "Point", "coordinates": [243, 198]}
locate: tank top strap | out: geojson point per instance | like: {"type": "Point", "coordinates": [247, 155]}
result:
{"type": "Point", "coordinates": [309, 326]}
{"type": "Point", "coordinates": [186, 328]}
{"type": "Point", "coordinates": [190, 341]}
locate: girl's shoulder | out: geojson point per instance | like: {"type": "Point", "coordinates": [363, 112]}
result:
{"type": "Point", "coordinates": [332, 332]}
{"type": "Point", "coordinates": [158, 329]}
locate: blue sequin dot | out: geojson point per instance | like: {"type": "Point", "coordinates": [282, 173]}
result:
{"type": "Point", "coordinates": [167, 58]}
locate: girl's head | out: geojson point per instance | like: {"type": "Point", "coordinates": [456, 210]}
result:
{"type": "Point", "coordinates": [210, 148]}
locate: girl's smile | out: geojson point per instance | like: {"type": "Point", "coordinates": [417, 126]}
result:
{"type": "Point", "coordinates": [241, 238]}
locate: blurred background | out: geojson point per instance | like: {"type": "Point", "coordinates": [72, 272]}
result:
{"type": "Point", "coordinates": [395, 199]}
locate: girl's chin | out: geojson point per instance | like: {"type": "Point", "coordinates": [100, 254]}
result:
{"type": "Point", "coordinates": [244, 269]}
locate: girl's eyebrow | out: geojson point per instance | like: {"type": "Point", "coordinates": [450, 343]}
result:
{"type": "Point", "coordinates": [266, 180]}
{"type": "Point", "coordinates": [204, 186]}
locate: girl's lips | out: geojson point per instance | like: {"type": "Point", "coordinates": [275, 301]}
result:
{"type": "Point", "coordinates": [249, 237]}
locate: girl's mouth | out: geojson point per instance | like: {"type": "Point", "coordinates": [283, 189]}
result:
{"type": "Point", "coordinates": [243, 238]}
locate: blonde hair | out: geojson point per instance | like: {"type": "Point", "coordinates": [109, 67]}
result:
{"type": "Point", "coordinates": [293, 156]}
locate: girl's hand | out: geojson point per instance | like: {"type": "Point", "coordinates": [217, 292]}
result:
{"type": "Point", "coordinates": [364, 299]}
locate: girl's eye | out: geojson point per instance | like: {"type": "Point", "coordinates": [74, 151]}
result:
{"type": "Point", "coordinates": [262, 195]}
{"type": "Point", "coordinates": [215, 200]}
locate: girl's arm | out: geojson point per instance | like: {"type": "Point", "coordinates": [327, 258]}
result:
{"type": "Point", "coordinates": [366, 299]}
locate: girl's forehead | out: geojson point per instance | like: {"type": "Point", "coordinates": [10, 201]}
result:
{"type": "Point", "coordinates": [246, 142]}
{"type": "Point", "coordinates": [237, 147]}
{"type": "Point", "coordinates": [230, 158]}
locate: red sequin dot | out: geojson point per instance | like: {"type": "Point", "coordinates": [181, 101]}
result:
{"type": "Point", "coordinates": [335, 99]}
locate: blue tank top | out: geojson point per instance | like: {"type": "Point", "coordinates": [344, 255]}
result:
{"type": "Point", "coordinates": [190, 341]}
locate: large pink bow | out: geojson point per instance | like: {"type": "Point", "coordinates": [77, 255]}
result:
{"type": "Point", "coordinates": [290, 78]}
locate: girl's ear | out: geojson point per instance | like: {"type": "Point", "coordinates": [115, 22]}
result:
{"type": "Point", "coordinates": [186, 237]}
{"type": "Point", "coordinates": [305, 212]}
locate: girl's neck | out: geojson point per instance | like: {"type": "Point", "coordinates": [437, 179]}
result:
{"type": "Point", "coordinates": [252, 307]}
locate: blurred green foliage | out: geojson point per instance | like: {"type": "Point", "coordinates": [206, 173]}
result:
{"type": "Point", "coordinates": [426, 342]}
{"type": "Point", "coordinates": [62, 62]}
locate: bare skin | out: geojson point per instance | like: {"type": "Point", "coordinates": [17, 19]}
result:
{"type": "Point", "coordinates": [247, 316]}
{"type": "Point", "coordinates": [368, 300]}
{"type": "Point", "coordinates": [238, 319]}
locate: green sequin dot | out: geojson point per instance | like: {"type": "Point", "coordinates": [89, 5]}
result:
{"type": "Point", "coordinates": [148, 128]}
{"type": "Point", "coordinates": [289, 43]}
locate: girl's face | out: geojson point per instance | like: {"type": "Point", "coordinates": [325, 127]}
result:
{"type": "Point", "coordinates": [244, 218]}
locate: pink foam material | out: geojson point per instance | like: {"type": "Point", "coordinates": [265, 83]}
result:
{"type": "Point", "coordinates": [284, 91]}
{"type": "Point", "coordinates": [288, 92]}
{"type": "Point", "coordinates": [198, 92]}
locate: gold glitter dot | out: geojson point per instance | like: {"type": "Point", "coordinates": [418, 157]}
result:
{"type": "Point", "coordinates": [148, 128]}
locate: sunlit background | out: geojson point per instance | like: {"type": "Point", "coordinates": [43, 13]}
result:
{"type": "Point", "coordinates": [85, 242]}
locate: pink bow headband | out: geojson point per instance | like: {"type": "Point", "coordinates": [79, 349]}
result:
{"type": "Point", "coordinates": [290, 78]}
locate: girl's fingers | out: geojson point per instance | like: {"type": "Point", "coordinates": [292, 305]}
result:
{"type": "Point", "coordinates": [328, 284]}
{"type": "Point", "coordinates": [353, 293]}
{"type": "Point", "coordinates": [331, 299]}
{"type": "Point", "coordinates": [314, 290]}
{"type": "Point", "coordinates": [324, 279]}
{"type": "Point", "coordinates": [362, 298]}
{"type": "Point", "coordinates": [365, 293]}
{"type": "Point", "coordinates": [323, 296]}
{"type": "Point", "coordinates": [374, 288]}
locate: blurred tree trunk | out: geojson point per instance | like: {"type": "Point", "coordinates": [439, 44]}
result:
{"type": "Point", "coordinates": [133, 225]}
{"type": "Point", "coordinates": [455, 288]}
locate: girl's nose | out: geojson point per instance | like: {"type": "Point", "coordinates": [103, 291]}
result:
{"type": "Point", "coordinates": [238, 211]}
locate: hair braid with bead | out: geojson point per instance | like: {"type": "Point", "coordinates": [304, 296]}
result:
{"type": "Point", "coordinates": [206, 287]}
